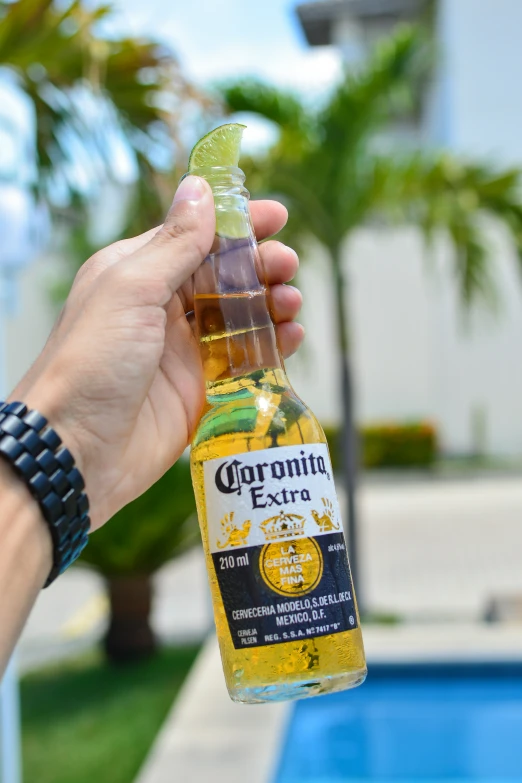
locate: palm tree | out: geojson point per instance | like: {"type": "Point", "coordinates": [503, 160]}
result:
{"type": "Point", "coordinates": [153, 529]}
{"type": "Point", "coordinates": [329, 166]}
{"type": "Point", "coordinates": [94, 97]}
{"type": "Point", "coordinates": [91, 96]}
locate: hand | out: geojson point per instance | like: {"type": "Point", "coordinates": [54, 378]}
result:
{"type": "Point", "coordinates": [121, 377]}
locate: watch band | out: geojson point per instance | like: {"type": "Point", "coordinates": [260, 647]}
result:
{"type": "Point", "coordinates": [35, 451]}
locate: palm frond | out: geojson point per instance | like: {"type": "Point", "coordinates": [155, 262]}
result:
{"type": "Point", "coordinates": [282, 107]}
{"type": "Point", "coordinates": [387, 87]}
{"type": "Point", "coordinates": [326, 169]}
{"type": "Point", "coordinates": [442, 194]}
{"type": "Point", "coordinates": [72, 75]}
{"type": "Point", "coordinates": [297, 126]}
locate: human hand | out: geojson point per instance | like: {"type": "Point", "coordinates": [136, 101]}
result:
{"type": "Point", "coordinates": [120, 377]}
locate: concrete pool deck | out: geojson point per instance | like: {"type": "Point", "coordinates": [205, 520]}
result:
{"type": "Point", "coordinates": [208, 737]}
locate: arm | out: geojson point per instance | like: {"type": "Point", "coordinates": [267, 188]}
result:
{"type": "Point", "coordinates": [121, 380]}
{"type": "Point", "coordinates": [25, 558]}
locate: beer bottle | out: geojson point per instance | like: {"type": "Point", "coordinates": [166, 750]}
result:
{"type": "Point", "coordinates": [284, 606]}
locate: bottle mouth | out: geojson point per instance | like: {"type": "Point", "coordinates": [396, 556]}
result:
{"type": "Point", "coordinates": [222, 179]}
{"type": "Point", "coordinates": [217, 173]}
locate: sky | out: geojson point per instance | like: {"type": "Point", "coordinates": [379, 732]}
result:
{"type": "Point", "coordinates": [217, 40]}
{"type": "Point", "coordinates": [220, 39]}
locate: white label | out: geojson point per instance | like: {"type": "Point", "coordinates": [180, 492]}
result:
{"type": "Point", "coordinates": [271, 495]}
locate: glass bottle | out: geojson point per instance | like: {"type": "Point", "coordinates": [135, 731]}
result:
{"type": "Point", "coordinates": [284, 607]}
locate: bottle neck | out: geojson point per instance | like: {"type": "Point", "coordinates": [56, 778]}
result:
{"type": "Point", "coordinates": [234, 327]}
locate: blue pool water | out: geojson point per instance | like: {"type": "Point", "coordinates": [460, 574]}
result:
{"type": "Point", "coordinates": [411, 724]}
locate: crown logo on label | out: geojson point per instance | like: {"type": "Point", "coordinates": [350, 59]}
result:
{"type": "Point", "coordinates": [283, 526]}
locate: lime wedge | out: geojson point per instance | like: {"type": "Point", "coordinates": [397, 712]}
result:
{"type": "Point", "coordinates": [220, 147]}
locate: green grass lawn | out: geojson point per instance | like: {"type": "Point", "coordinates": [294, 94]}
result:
{"type": "Point", "coordinates": [88, 722]}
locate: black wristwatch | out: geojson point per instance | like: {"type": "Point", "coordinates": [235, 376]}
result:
{"type": "Point", "coordinates": [35, 451]}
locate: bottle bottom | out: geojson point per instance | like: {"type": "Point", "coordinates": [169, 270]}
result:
{"type": "Point", "coordinates": [290, 691]}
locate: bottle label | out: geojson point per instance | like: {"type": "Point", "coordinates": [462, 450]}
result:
{"type": "Point", "coordinates": [276, 538]}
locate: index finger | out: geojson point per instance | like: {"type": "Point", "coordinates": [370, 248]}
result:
{"type": "Point", "coordinates": [268, 217]}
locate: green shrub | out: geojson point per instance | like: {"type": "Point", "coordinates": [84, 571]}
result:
{"type": "Point", "coordinates": [333, 436]}
{"type": "Point", "coordinates": [404, 445]}
{"type": "Point", "coordinates": [136, 542]}
{"type": "Point", "coordinates": [156, 527]}
{"type": "Point", "coordinates": [390, 445]}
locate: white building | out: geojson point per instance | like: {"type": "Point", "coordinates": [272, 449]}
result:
{"type": "Point", "coordinates": [415, 354]}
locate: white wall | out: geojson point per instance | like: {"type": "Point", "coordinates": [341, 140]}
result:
{"type": "Point", "coordinates": [313, 371]}
{"type": "Point", "coordinates": [481, 365]}
{"type": "Point", "coordinates": [415, 352]}
{"type": "Point", "coordinates": [481, 46]}
{"type": "Point", "coordinates": [393, 307]}
{"type": "Point", "coordinates": [393, 325]}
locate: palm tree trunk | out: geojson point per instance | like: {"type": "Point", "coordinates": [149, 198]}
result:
{"type": "Point", "coordinates": [349, 448]}
{"type": "Point", "coordinates": [129, 636]}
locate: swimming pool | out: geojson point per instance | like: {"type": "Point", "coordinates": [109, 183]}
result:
{"type": "Point", "coordinates": [411, 723]}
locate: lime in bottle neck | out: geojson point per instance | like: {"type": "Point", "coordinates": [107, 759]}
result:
{"type": "Point", "coordinates": [235, 330]}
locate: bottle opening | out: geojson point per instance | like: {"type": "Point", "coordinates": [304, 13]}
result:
{"type": "Point", "coordinates": [224, 180]}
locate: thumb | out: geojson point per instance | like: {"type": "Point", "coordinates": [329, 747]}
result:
{"type": "Point", "coordinates": [183, 241]}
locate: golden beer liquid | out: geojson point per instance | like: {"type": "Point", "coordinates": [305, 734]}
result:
{"type": "Point", "coordinates": [253, 407]}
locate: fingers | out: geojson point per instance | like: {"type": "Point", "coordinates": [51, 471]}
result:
{"type": "Point", "coordinates": [286, 303]}
{"type": "Point", "coordinates": [280, 263]}
{"type": "Point", "coordinates": [156, 271]}
{"type": "Point", "coordinates": [171, 252]}
{"type": "Point", "coordinates": [268, 218]}
{"type": "Point", "coordinates": [290, 335]}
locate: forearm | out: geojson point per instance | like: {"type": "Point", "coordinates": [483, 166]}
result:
{"type": "Point", "coordinates": [25, 558]}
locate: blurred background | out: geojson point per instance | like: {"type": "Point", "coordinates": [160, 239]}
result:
{"type": "Point", "coordinates": [391, 130]}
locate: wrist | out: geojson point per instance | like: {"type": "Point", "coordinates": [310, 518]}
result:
{"type": "Point", "coordinates": [36, 453]}
{"type": "Point", "coordinates": [52, 396]}
{"type": "Point", "coordinates": [26, 533]}
{"type": "Point", "coordinates": [26, 557]}
{"type": "Point", "coordinates": [51, 400]}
